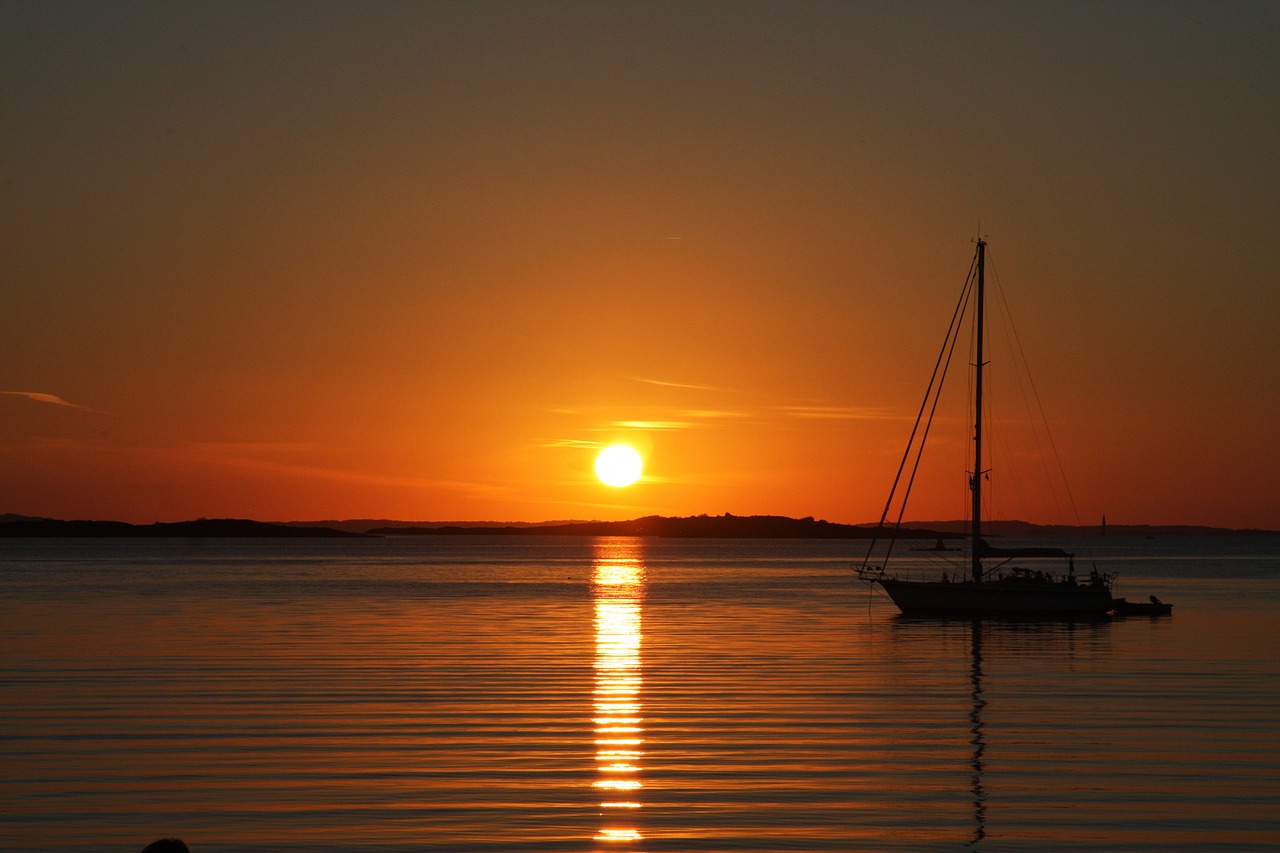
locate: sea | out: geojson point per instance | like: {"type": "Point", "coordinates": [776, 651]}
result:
{"type": "Point", "coordinates": [529, 693]}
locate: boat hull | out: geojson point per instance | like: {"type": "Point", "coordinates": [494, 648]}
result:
{"type": "Point", "coordinates": [1142, 608]}
{"type": "Point", "coordinates": [1029, 599]}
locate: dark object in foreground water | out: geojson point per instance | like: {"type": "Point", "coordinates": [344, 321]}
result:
{"type": "Point", "coordinates": [1154, 607]}
{"type": "Point", "coordinates": [167, 845]}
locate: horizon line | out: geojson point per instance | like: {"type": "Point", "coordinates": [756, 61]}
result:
{"type": "Point", "coordinates": [9, 517]}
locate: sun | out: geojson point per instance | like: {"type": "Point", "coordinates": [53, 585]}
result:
{"type": "Point", "coordinates": [618, 465]}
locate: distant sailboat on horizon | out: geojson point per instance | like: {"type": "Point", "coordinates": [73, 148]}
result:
{"type": "Point", "coordinates": [986, 591]}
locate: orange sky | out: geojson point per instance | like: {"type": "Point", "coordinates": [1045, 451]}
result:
{"type": "Point", "coordinates": [421, 261]}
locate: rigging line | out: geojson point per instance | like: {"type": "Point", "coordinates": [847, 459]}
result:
{"type": "Point", "coordinates": [952, 330]}
{"type": "Point", "coordinates": [1066, 484]}
{"type": "Point", "coordinates": [1021, 371]}
{"type": "Point", "coordinates": [999, 437]}
{"type": "Point", "coordinates": [929, 423]}
{"type": "Point", "coordinates": [1022, 376]}
{"type": "Point", "coordinates": [1004, 449]}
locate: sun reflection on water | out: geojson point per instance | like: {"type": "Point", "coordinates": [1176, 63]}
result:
{"type": "Point", "coordinates": [618, 588]}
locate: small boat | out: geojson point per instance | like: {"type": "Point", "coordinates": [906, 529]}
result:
{"type": "Point", "coordinates": [940, 546]}
{"type": "Point", "coordinates": [1154, 607]}
{"type": "Point", "coordinates": [989, 586]}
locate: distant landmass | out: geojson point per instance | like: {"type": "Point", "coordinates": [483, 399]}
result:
{"type": "Point", "coordinates": [200, 528]}
{"type": "Point", "coordinates": [364, 525]}
{"type": "Point", "coordinates": [693, 527]}
{"type": "Point", "coordinates": [725, 526]}
{"type": "Point", "coordinates": [730, 526]}
{"type": "Point", "coordinates": [1024, 528]}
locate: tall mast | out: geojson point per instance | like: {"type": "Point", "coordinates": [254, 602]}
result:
{"type": "Point", "coordinates": [975, 484]}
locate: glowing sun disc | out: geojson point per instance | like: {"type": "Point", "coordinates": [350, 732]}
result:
{"type": "Point", "coordinates": [618, 465]}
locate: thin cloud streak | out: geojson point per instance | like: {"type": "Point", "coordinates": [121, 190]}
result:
{"type": "Point", "coordinates": [712, 414]}
{"type": "Point", "coordinates": [573, 443]}
{"type": "Point", "coordinates": [654, 425]}
{"type": "Point", "coordinates": [51, 399]}
{"type": "Point", "coordinates": [665, 384]}
{"type": "Point", "coordinates": [250, 456]}
{"type": "Point", "coordinates": [841, 413]}
{"type": "Point", "coordinates": [694, 419]}
{"type": "Point", "coordinates": [242, 455]}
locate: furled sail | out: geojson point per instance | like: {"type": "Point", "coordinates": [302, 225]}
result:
{"type": "Point", "coordinates": [994, 552]}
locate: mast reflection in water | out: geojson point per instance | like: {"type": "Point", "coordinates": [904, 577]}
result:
{"type": "Point", "coordinates": [978, 741]}
{"type": "Point", "coordinates": [618, 589]}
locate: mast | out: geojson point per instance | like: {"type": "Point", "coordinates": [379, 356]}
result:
{"type": "Point", "coordinates": [975, 484]}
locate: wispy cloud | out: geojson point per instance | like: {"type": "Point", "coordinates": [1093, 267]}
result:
{"type": "Point", "coordinates": [687, 419]}
{"type": "Point", "coordinates": [291, 460]}
{"type": "Point", "coordinates": [839, 413]}
{"type": "Point", "coordinates": [666, 384]}
{"type": "Point", "coordinates": [249, 448]}
{"type": "Point", "coordinates": [51, 399]}
{"type": "Point", "coordinates": [267, 457]}
{"type": "Point", "coordinates": [654, 425]}
{"type": "Point", "coordinates": [715, 414]}
{"type": "Point", "coordinates": [575, 443]}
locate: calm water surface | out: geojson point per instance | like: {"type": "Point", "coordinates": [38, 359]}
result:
{"type": "Point", "coordinates": [493, 693]}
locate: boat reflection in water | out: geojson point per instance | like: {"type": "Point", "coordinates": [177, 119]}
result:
{"type": "Point", "coordinates": [978, 741]}
{"type": "Point", "coordinates": [1011, 656]}
{"type": "Point", "coordinates": [618, 588]}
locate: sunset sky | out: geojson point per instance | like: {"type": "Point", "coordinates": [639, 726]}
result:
{"type": "Point", "coordinates": [315, 260]}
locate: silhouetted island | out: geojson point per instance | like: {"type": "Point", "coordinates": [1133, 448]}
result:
{"type": "Point", "coordinates": [998, 527]}
{"type": "Point", "coordinates": [729, 526]}
{"type": "Point", "coordinates": [725, 526]}
{"type": "Point", "coordinates": [223, 528]}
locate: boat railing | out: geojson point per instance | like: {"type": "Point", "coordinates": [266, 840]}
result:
{"type": "Point", "coordinates": [873, 572]}
{"type": "Point", "coordinates": [868, 572]}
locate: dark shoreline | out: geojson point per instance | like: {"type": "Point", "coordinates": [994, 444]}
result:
{"type": "Point", "coordinates": [725, 526]}
{"type": "Point", "coordinates": [221, 528]}
{"type": "Point", "coordinates": [692, 527]}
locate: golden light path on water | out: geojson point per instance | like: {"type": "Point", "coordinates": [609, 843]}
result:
{"type": "Point", "coordinates": [618, 589]}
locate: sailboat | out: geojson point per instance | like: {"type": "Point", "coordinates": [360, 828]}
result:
{"type": "Point", "coordinates": [992, 584]}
